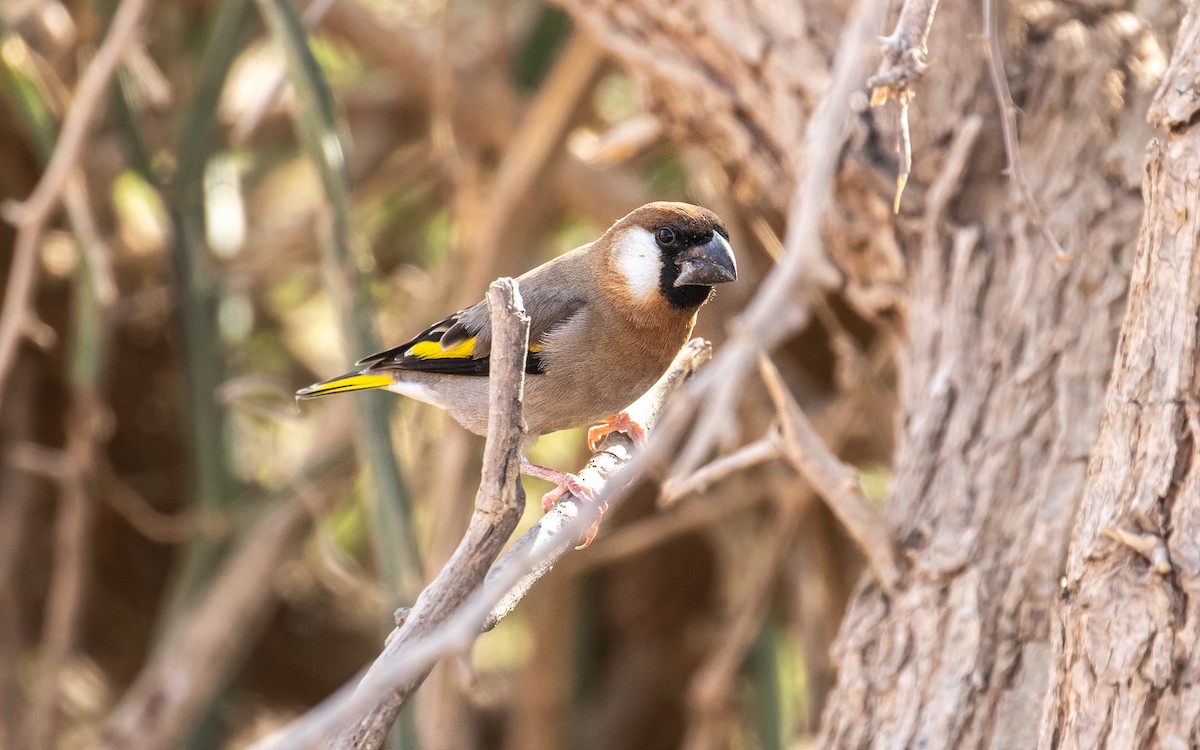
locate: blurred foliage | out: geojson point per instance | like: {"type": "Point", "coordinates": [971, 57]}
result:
{"type": "Point", "coordinates": [278, 202]}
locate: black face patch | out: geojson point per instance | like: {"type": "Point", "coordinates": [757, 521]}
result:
{"type": "Point", "coordinates": [688, 296]}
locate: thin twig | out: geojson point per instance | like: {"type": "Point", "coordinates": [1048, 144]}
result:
{"type": "Point", "coordinates": [72, 533]}
{"type": "Point", "coordinates": [833, 480]}
{"type": "Point", "coordinates": [1008, 125]}
{"type": "Point", "coordinates": [764, 449]}
{"type": "Point", "coordinates": [903, 64]}
{"type": "Point", "coordinates": [498, 507]}
{"type": "Point", "coordinates": [30, 217]}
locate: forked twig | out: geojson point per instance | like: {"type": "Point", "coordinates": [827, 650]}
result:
{"type": "Point", "coordinates": [833, 480]}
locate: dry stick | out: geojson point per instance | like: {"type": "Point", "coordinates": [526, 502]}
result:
{"type": "Point", "coordinates": [31, 216]}
{"type": "Point", "coordinates": [498, 507]}
{"type": "Point", "coordinates": [904, 50]}
{"type": "Point", "coordinates": [708, 694]}
{"type": "Point", "coordinates": [656, 529]}
{"type": "Point", "coordinates": [72, 470]}
{"type": "Point", "coordinates": [549, 539]}
{"type": "Point", "coordinates": [766, 448]}
{"type": "Point", "coordinates": [553, 536]}
{"type": "Point", "coordinates": [1008, 125]}
{"type": "Point", "coordinates": [779, 309]}
{"type": "Point", "coordinates": [833, 480]}
{"type": "Point", "coordinates": [903, 65]}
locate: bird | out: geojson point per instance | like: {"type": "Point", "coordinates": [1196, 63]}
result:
{"type": "Point", "coordinates": [606, 320]}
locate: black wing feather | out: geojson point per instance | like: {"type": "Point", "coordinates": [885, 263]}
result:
{"type": "Point", "coordinates": [448, 333]}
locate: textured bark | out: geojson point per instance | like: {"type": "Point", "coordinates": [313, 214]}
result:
{"type": "Point", "coordinates": [742, 76]}
{"type": "Point", "coordinates": [1005, 351]}
{"type": "Point", "coordinates": [1003, 368]}
{"type": "Point", "coordinates": [1126, 649]}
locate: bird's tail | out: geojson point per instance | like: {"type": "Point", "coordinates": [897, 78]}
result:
{"type": "Point", "coordinates": [354, 381]}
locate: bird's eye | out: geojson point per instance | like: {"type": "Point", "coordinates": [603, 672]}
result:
{"type": "Point", "coordinates": [665, 236]}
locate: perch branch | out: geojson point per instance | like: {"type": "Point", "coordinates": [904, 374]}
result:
{"type": "Point", "coordinates": [544, 541]}
{"type": "Point", "coordinates": [833, 480]}
{"type": "Point", "coordinates": [531, 557]}
{"type": "Point", "coordinates": [498, 507]}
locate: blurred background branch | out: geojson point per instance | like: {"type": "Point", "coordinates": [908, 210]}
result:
{"type": "Point", "coordinates": [263, 192]}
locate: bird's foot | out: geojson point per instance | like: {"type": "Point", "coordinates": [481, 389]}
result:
{"type": "Point", "coordinates": [566, 483]}
{"type": "Point", "coordinates": [619, 422]}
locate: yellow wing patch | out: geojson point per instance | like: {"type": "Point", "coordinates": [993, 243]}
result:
{"type": "Point", "coordinates": [434, 350]}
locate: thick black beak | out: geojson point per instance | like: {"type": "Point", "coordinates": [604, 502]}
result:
{"type": "Point", "coordinates": [707, 264]}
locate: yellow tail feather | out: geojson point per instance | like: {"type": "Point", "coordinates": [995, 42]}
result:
{"type": "Point", "coordinates": [354, 382]}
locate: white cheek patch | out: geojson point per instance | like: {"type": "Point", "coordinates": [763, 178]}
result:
{"type": "Point", "coordinates": [639, 261]}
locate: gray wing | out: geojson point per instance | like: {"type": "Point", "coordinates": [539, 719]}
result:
{"type": "Point", "coordinates": [461, 343]}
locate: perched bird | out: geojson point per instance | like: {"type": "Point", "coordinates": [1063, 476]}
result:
{"type": "Point", "coordinates": [606, 318]}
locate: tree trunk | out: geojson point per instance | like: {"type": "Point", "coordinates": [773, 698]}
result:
{"type": "Point", "coordinates": [1005, 350]}
{"type": "Point", "coordinates": [1003, 367]}
{"type": "Point", "coordinates": [1126, 648]}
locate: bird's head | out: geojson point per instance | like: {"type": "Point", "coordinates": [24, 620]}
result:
{"type": "Point", "coordinates": [675, 251]}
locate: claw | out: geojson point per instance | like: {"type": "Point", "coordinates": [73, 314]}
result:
{"type": "Point", "coordinates": [619, 422]}
{"type": "Point", "coordinates": [565, 483]}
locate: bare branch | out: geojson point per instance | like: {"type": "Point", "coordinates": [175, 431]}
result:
{"type": "Point", "coordinates": [498, 507]}
{"type": "Point", "coordinates": [530, 558]}
{"type": "Point", "coordinates": [549, 540]}
{"type": "Point", "coordinates": [833, 480]}
{"type": "Point", "coordinates": [904, 51]}
{"type": "Point", "coordinates": [764, 449]}
{"type": "Point", "coordinates": [903, 65]}
{"type": "Point", "coordinates": [68, 583]}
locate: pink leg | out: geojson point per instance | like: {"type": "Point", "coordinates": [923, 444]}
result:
{"type": "Point", "coordinates": [566, 482]}
{"type": "Point", "coordinates": [619, 422]}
